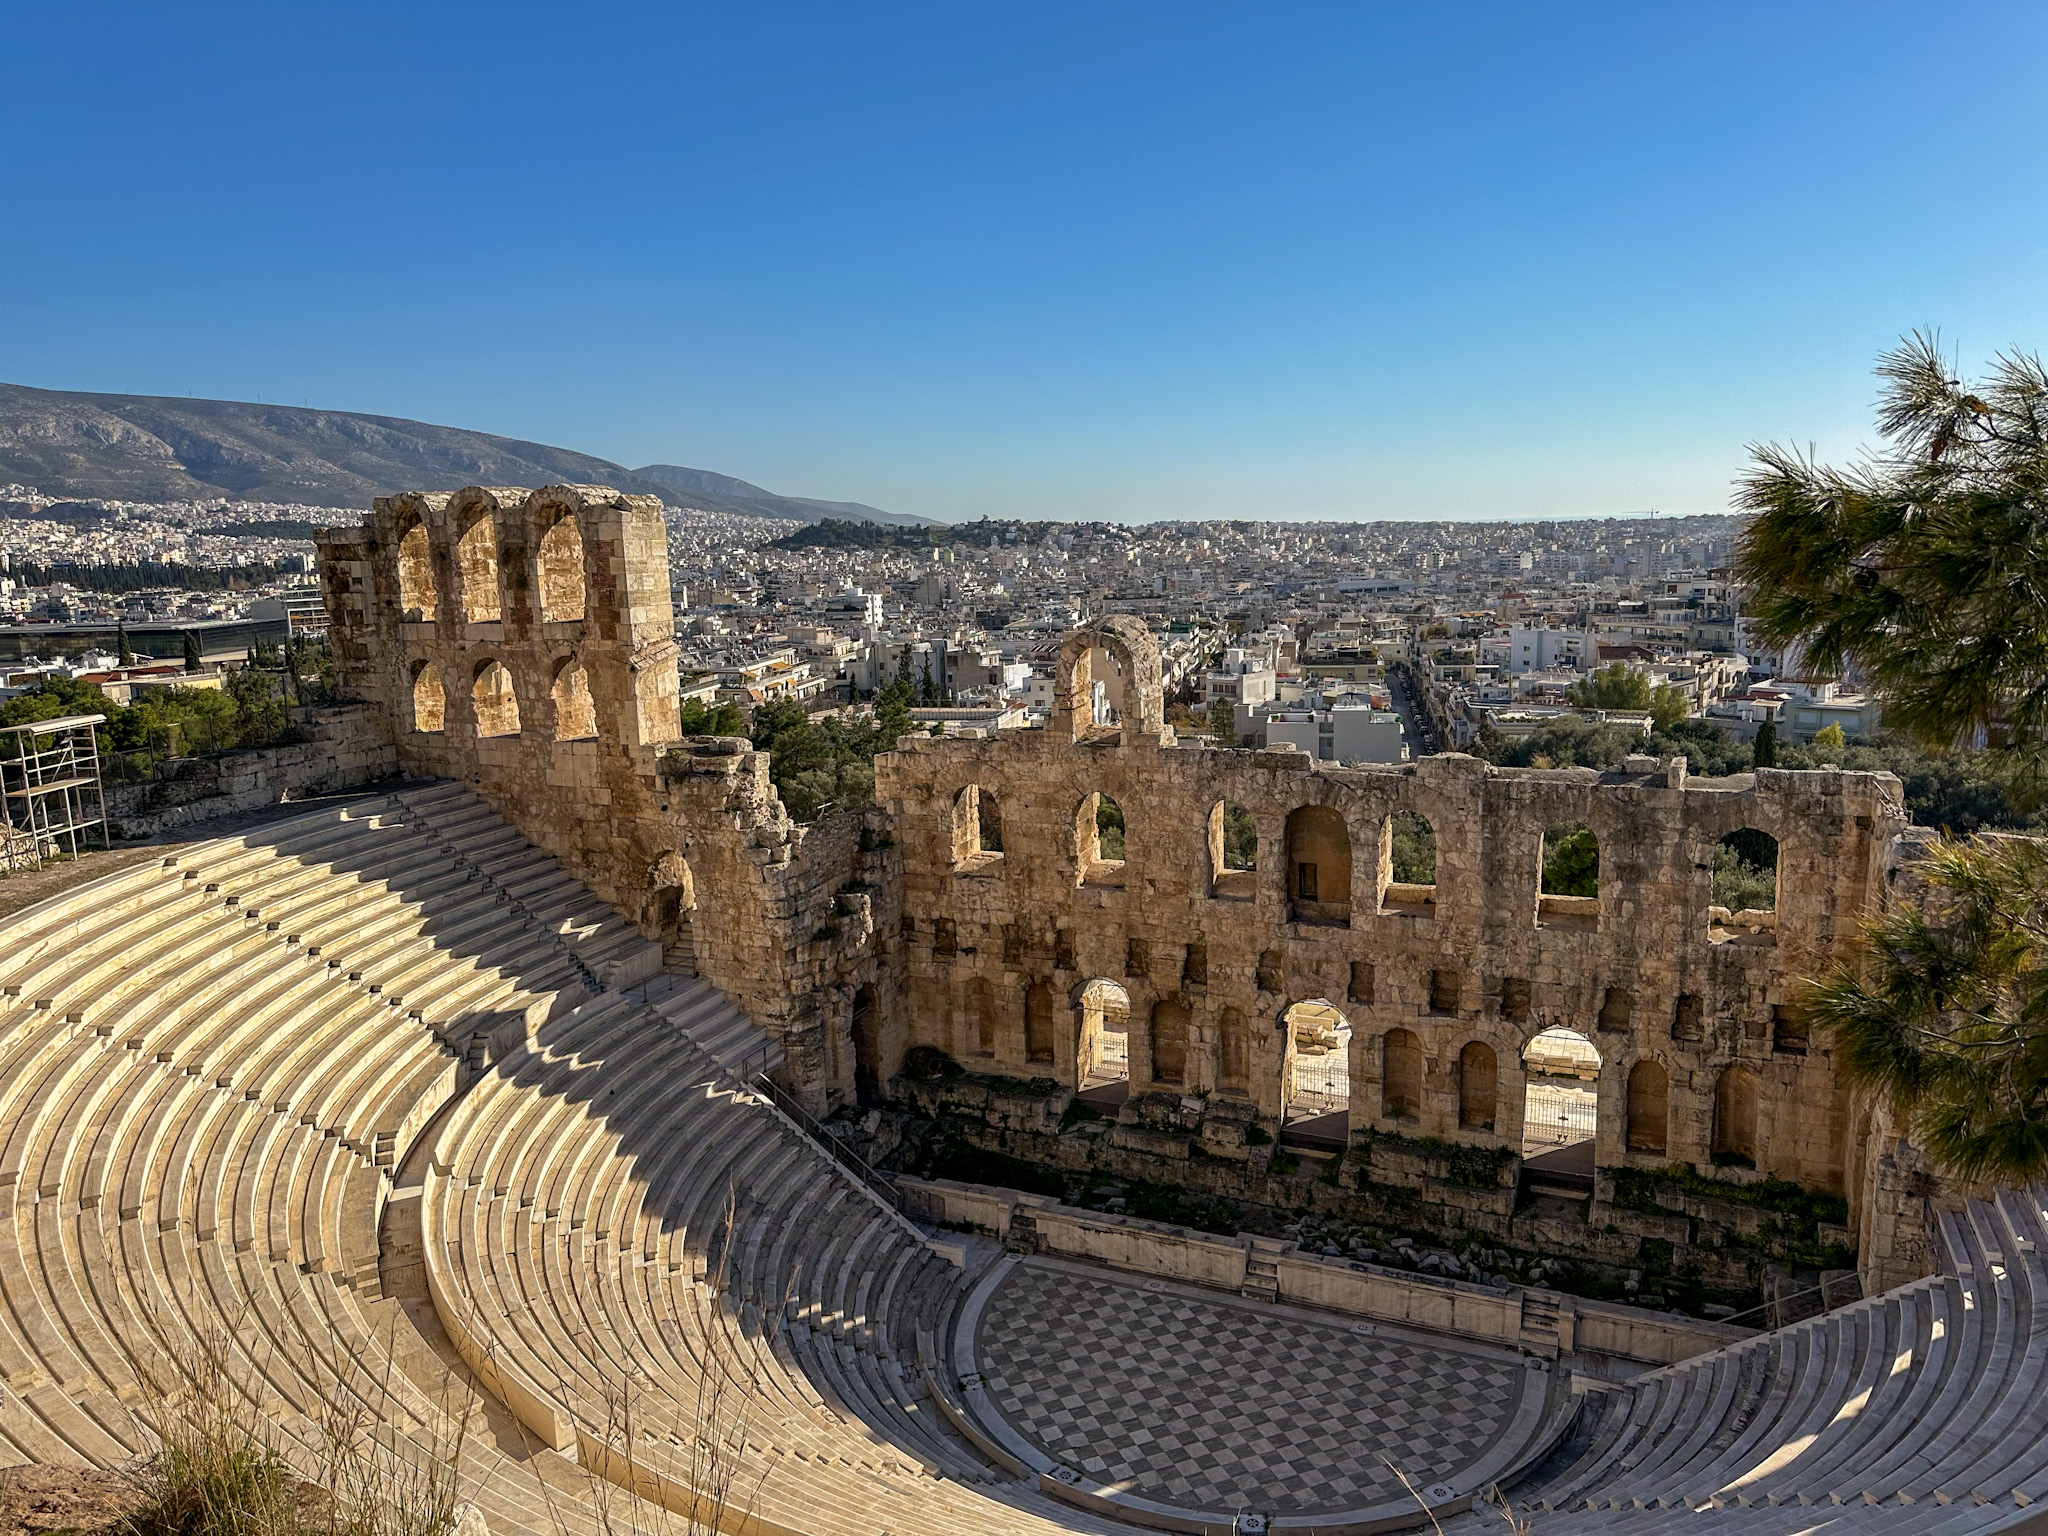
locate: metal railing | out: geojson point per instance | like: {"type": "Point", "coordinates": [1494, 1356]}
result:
{"type": "Point", "coordinates": [191, 741]}
{"type": "Point", "coordinates": [753, 1073]}
{"type": "Point", "coordinates": [1322, 1083]}
{"type": "Point", "coordinates": [1780, 1310]}
{"type": "Point", "coordinates": [1557, 1117]}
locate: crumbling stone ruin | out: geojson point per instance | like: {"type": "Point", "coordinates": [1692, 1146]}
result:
{"type": "Point", "coordinates": [1445, 984]}
{"type": "Point", "coordinates": [407, 1120]}
{"type": "Point", "coordinates": [522, 643]}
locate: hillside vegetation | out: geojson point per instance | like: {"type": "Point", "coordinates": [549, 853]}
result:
{"type": "Point", "coordinates": [162, 448]}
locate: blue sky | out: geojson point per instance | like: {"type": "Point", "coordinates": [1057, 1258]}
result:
{"type": "Point", "coordinates": [1103, 260]}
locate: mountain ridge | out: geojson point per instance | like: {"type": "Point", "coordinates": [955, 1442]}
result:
{"type": "Point", "coordinates": [79, 444]}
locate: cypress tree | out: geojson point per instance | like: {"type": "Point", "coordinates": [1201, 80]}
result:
{"type": "Point", "coordinates": [1764, 750]}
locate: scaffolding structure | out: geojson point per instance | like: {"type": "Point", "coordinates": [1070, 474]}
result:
{"type": "Point", "coordinates": [50, 790]}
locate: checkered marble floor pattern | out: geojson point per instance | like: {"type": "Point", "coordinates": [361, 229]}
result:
{"type": "Point", "coordinates": [1206, 1405]}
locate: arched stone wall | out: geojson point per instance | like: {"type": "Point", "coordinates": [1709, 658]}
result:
{"type": "Point", "coordinates": [1318, 865]}
{"type": "Point", "coordinates": [1233, 1052]}
{"type": "Point", "coordinates": [981, 1017]}
{"type": "Point", "coordinates": [1649, 1108]}
{"type": "Point", "coordinates": [1041, 1025]}
{"type": "Point", "coordinates": [560, 571]}
{"type": "Point", "coordinates": [781, 925]}
{"type": "Point", "coordinates": [672, 870]}
{"type": "Point", "coordinates": [776, 924]}
{"type": "Point", "coordinates": [1131, 667]}
{"type": "Point", "coordinates": [1452, 962]}
{"type": "Point", "coordinates": [575, 709]}
{"type": "Point", "coordinates": [1735, 1114]}
{"type": "Point", "coordinates": [977, 828]}
{"type": "Point", "coordinates": [1169, 1041]}
{"type": "Point", "coordinates": [476, 563]}
{"type": "Point", "coordinates": [429, 699]}
{"type": "Point", "coordinates": [418, 593]}
{"type": "Point", "coordinates": [494, 699]}
{"type": "Point", "coordinates": [1400, 1075]}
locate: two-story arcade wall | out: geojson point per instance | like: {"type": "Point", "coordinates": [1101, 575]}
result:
{"type": "Point", "coordinates": [1444, 984]}
{"type": "Point", "coordinates": [522, 642]}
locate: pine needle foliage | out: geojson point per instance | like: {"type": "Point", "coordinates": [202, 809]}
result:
{"type": "Point", "coordinates": [1925, 569]}
{"type": "Point", "coordinates": [1947, 1011]}
{"type": "Point", "coordinates": [1926, 566]}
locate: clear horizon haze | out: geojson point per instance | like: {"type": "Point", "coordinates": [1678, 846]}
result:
{"type": "Point", "coordinates": [1127, 261]}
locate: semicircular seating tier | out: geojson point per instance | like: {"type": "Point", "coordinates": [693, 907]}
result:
{"type": "Point", "coordinates": [1924, 1409]}
{"type": "Point", "coordinates": [220, 1077]}
{"type": "Point", "coordinates": [384, 1113]}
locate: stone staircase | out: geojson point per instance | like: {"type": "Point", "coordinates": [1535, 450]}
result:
{"type": "Point", "coordinates": [711, 1022]}
{"type": "Point", "coordinates": [221, 1077]}
{"type": "Point", "coordinates": [212, 1066]}
{"type": "Point", "coordinates": [614, 1224]}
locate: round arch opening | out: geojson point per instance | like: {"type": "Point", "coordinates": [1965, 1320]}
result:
{"type": "Point", "coordinates": [1561, 1102]}
{"type": "Point", "coordinates": [1104, 1068]}
{"type": "Point", "coordinates": [1318, 1086]}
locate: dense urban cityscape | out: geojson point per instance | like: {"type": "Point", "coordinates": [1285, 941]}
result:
{"type": "Point", "coordinates": [1356, 642]}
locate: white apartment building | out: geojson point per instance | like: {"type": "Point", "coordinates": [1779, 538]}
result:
{"type": "Point", "coordinates": [1546, 650]}
{"type": "Point", "coordinates": [1242, 677]}
{"type": "Point", "coordinates": [1349, 733]}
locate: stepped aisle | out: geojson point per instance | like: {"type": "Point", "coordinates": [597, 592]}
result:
{"type": "Point", "coordinates": [221, 1076]}
{"type": "Point", "coordinates": [384, 1112]}
{"type": "Point", "coordinates": [212, 1065]}
{"type": "Point", "coordinates": [671, 1282]}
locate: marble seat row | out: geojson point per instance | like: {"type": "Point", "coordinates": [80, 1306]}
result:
{"type": "Point", "coordinates": [209, 1070]}
{"type": "Point", "coordinates": [1922, 1409]}
{"type": "Point", "coordinates": [383, 1110]}
{"type": "Point", "coordinates": [667, 1278]}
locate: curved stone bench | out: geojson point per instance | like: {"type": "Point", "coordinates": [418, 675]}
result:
{"type": "Point", "coordinates": [1922, 1409]}
{"type": "Point", "coordinates": [608, 1221]}
{"type": "Point", "coordinates": [192, 1126]}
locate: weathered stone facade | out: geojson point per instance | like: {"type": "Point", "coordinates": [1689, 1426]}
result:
{"type": "Point", "coordinates": [1423, 974]}
{"type": "Point", "coordinates": [343, 747]}
{"type": "Point", "coordinates": [522, 642]}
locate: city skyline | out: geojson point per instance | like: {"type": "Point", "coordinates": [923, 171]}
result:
{"type": "Point", "coordinates": [1187, 262]}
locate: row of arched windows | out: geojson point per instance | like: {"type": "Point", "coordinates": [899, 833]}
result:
{"type": "Point", "coordinates": [558, 572]}
{"type": "Point", "coordinates": [1647, 1116]}
{"type": "Point", "coordinates": [1096, 1022]}
{"type": "Point", "coordinates": [1317, 873]}
{"type": "Point", "coordinates": [494, 701]}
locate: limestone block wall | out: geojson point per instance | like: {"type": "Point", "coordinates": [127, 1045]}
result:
{"type": "Point", "coordinates": [800, 924]}
{"type": "Point", "coordinates": [523, 642]}
{"type": "Point", "coordinates": [1001, 951]}
{"type": "Point", "coordinates": [437, 619]}
{"type": "Point", "coordinates": [345, 747]}
{"type": "Point", "coordinates": [1335, 1285]}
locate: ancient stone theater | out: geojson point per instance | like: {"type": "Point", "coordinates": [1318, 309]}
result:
{"type": "Point", "coordinates": [1097, 1133]}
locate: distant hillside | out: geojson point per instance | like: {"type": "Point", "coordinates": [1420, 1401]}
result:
{"type": "Point", "coordinates": [158, 448]}
{"type": "Point", "coordinates": [701, 488]}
